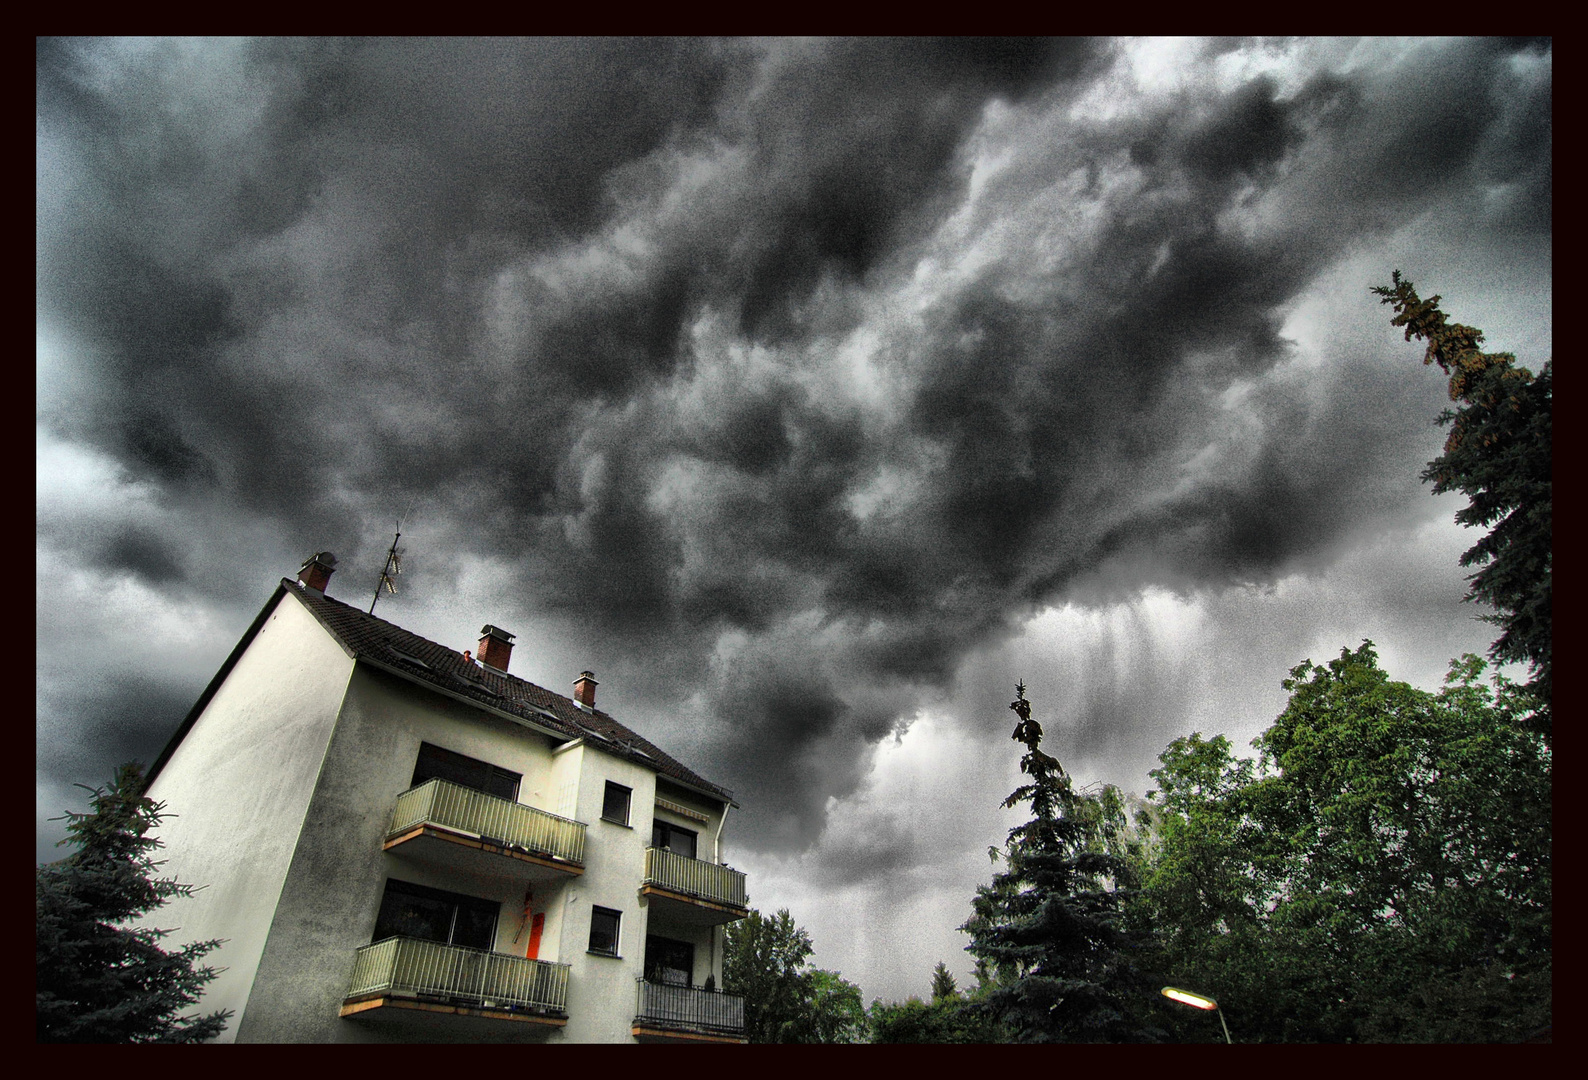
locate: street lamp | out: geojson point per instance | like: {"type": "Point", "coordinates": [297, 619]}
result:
{"type": "Point", "coordinates": [1197, 1001]}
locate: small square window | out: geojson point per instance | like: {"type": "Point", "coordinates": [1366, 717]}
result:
{"type": "Point", "coordinates": [604, 923]}
{"type": "Point", "coordinates": [615, 807]}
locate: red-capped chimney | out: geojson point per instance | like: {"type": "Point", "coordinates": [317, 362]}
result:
{"type": "Point", "coordinates": [316, 571]}
{"type": "Point", "coordinates": [496, 647]}
{"type": "Point", "coordinates": [584, 689]}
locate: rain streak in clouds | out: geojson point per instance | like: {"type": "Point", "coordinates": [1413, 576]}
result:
{"type": "Point", "coordinates": [809, 392]}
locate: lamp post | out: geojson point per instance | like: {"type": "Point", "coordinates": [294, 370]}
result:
{"type": "Point", "coordinates": [1198, 1001]}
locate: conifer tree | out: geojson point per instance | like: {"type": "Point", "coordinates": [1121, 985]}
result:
{"type": "Point", "coordinates": [1498, 455]}
{"type": "Point", "coordinates": [99, 979]}
{"type": "Point", "coordinates": [944, 988]}
{"type": "Point", "coordinates": [1050, 926]}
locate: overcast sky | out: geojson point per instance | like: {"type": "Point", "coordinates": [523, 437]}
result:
{"type": "Point", "coordinates": [811, 393]}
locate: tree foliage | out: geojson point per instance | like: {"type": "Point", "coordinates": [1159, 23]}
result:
{"type": "Point", "coordinates": [950, 1017]}
{"type": "Point", "coordinates": [1380, 873]}
{"type": "Point", "coordinates": [1498, 455]}
{"type": "Point", "coordinates": [835, 1013]}
{"type": "Point", "coordinates": [942, 1020]}
{"type": "Point", "coordinates": [99, 979]}
{"type": "Point", "coordinates": [785, 1000]}
{"type": "Point", "coordinates": [1050, 927]}
{"type": "Point", "coordinates": [943, 985]}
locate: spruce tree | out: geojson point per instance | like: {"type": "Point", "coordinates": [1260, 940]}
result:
{"type": "Point", "coordinates": [99, 979]}
{"type": "Point", "coordinates": [1499, 456]}
{"type": "Point", "coordinates": [943, 986]}
{"type": "Point", "coordinates": [1050, 926]}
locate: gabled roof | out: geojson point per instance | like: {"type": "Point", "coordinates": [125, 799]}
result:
{"type": "Point", "coordinates": [369, 638]}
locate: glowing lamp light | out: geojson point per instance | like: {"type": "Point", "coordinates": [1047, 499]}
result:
{"type": "Point", "coordinates": [1198, 1001]}
{"type": "Point", "coordinates": [1186, 997]}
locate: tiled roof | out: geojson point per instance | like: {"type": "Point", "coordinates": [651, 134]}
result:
{"type": "Point", "coordinates": [371, 638]}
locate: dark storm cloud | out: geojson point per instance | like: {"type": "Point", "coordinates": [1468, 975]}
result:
{"type": "Point", "coordinates": [583, 304]}
{"type": "Point", "coordinates": [851, 143]}
{"type": "Point", "coordinates": [126, 718]}
{"type": "Point", "coordinates": [141, 551]}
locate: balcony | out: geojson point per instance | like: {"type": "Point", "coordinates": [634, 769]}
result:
{"type": "Point", "coordinates": [692, 891]}
{"type": "Point", "coordinates": [684, 1013]}
{"type": "Point", "coordinates": [441, 822]}
{"type": "Point", "coordinates": [406, 973]}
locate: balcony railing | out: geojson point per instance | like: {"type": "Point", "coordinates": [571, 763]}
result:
{"type": "Point", "coordinates": [451, 806]}
{"type": "Point", "coordinates": [705, 880]}
{"type": "Point", "coordinates": [687, 1008]}
{"type": "Point", "coordinates": [408, 967]}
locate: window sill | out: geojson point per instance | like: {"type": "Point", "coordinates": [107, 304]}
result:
{"type": "Point", "coordinates": [604, 955]}
{"type": "Point", "coordinates": [615, 821]}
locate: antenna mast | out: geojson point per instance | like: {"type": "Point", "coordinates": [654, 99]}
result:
{"type": "Point", "coordinates": [393, 567]}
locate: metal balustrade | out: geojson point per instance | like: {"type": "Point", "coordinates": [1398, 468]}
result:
{"type": "Point", "coordinates": [413, 968]}
{"type": "Point", "coordinates": [689, 1008]}
{"type": "Point", "coordinates": [452, 806]}
{"type": "Point", "coordinates": [705, 880]}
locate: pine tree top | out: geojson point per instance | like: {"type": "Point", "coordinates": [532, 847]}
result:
{"type": "Point", "coordinates": [1498, 454]}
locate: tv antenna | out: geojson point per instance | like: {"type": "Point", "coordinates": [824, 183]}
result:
{"type": "Point", "coordinates": [393, 567]}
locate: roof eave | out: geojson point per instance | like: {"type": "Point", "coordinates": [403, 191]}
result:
{"type": "Point", "coordinates": [723, 796]}
{"type": "Point", "coordinates": [410, 677]}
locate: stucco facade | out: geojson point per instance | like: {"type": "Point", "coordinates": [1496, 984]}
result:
{"type": "Point", "coordinates": [284, 785]}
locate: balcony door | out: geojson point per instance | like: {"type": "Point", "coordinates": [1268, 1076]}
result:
{"type": "Point", "coordinates": [668, 962]}
{"type": "Point", "coordinates": [436, 915]}
{"type": "Point", "coordinates": [465, 771]}
{"type": "Point", "coordinates": [672, 838]}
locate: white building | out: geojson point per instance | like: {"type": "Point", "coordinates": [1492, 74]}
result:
{"type": "Point", "coordinates": [401, 842]}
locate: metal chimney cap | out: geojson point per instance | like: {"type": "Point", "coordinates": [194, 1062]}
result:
{"type": "Point", "coordinates": [497, 632]}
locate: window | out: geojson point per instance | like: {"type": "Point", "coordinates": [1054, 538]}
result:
{"type": "Point", "coordinates": [667, 961]}
{"type": "Point", "coordinates": [436, 915]}
{"type": "Point", "coordinates": [604, 923]}
{"type": "Point", "coordinates": [615, 806]}
{"type": "Point", "coordinates": [434, 762]}
{"type": "Point", "coordinates": [672, 838]}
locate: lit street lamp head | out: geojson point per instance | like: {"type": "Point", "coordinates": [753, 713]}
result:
{"type": "Point", "coordinates": [1197, 1001]}
{"type": "Point", "coordinates": [1186, 997]}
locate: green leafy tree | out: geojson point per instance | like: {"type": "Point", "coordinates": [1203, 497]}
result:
{"type": "Point", "coordinates": [98, 979]}
{"type": "Point", "coordinates": [948, 1018]}
{"type": "Point", "coordinates": [943, 1020]}
{"type": "Point", "coordinates": [835, 1011]}
{"type": "Point", "coordinates": [1381, 873]}
{"type": "Point", "coordinates": [785, 1000]}
{"type": "Point", "coordinates": [1498, 454]}
{"type": "Point", "coordinates": [1050, 926]}
{"type": "Point", "coordinates": [764, 961]}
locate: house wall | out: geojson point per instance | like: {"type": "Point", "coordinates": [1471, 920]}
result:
{"type": "Point", "coordinates": [286, 786]}
{"type": "Point", "coordinates": [603, 990]}
{"type": "Point", "coordinates": [238, 788]}
{"type": "Point", "coordinates": [333, 890]}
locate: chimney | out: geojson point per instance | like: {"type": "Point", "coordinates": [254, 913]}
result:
{"type": "Point", "coordinates": [496, 647]}
{"type": "Point", "coordinates": [584, 689]}
{"type": "Point", "coordinates": [316, 572]}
